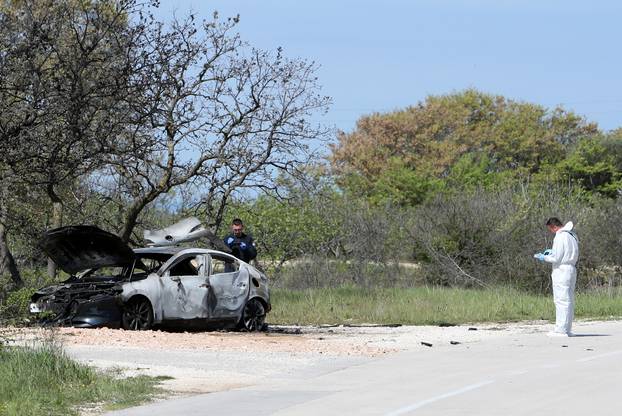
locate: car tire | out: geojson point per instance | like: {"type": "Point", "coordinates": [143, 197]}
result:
{"type": "Point", "coordinates": [253, 316]}
{"type": "Point", "coordinates": [137, 315]}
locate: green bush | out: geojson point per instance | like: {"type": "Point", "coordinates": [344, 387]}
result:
{"type": "Point", "coordinates": [15, 306]}
{"type": "Point", "coordinates": [487, 237]}
{"type": "Point", "coordinates": [321, 272]}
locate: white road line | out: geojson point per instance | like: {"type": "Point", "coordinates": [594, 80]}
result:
{"type": "Point", "coordinates": [596, 357]}
{"type": "Point", "coordinates": [408, 409]}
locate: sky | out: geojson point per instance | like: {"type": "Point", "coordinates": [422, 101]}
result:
{"type": "Point", "coordinates": [381, 56]}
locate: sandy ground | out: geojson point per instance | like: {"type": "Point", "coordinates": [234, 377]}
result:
{"type": "Point", "coordinates": [360, 340]}
{"type": "Point", "coordinates": [201, 362]}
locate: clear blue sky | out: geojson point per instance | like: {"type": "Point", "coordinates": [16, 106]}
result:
{"type": "Point", "coordinates": [378, 56]}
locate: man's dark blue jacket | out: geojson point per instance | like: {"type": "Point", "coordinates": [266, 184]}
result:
{"type": "Point", "coordinates": [242, 247]}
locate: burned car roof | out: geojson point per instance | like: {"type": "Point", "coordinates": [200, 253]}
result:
{"type": "Point", "coordinates": [159, 250]}
{"type": "Point", "coordinates": [80, 247]}
{"type": "Point", "coordinates": [184, 231]}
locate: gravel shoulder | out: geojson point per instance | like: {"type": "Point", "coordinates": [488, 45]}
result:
{"type": "Point", "coordinates": [337, 340]}
{"type": "Point", "coordinates": [212, 361]}
{"type": "Point", "coordinates": [201, 362]}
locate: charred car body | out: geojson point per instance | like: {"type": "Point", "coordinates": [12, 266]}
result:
{"type": "Point", "coordinates": [115, 286]}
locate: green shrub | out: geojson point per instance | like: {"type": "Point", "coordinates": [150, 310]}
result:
{"type": "Point", "coordinates": [487, 237]}
{"type": "Point", "coordinates": [15, 306]}
{"type": "Point", "coordinates": [322, 272]}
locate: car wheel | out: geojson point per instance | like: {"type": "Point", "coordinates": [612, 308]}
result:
{"type": "Point", "coordinates": [137, 315]}
{"type": "Point", "coordinates": [253, 316]}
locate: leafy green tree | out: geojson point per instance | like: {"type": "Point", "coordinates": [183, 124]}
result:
{"type": "Point", "coordinates": [473, 170]}
{"type": "Point", "coordinates": [613, 144]}
{"type": "Point", "coordinates": [287, 230]}
{"type": "Point", "coordinates": [593, 166]}
{"type": "Point", "coordinates": [433, 136]}
{"type": "Point", "coordinates": [396, 185]}
{"type": "Point", "coordinates": [304, 218]}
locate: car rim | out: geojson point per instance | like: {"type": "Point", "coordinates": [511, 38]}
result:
{"type": "Point", "coordinates": [138, 316]}
{"type": "Point", "coordinates": [254, 315]}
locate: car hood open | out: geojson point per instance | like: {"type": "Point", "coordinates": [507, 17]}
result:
{"type": "Point", "coordinates": [81, 247]}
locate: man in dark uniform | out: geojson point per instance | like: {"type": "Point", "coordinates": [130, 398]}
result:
{"type": "Point", "coordinates": [240, 243]}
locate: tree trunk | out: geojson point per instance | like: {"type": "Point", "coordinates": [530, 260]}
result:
{"type": "Point", "coordinates": [57, 221]}
{"type": "Point", "coordinates": [7, 261]}
{"type": "Point", "coordinates": [131, 218]}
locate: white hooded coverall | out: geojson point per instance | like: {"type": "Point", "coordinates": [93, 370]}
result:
{"type": "Point", "coordinates": [564, 256]}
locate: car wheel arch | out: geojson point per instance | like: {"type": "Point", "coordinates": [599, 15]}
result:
{"type": "Point", "coordinates": [130, 292]}
{"type": "Point", "coordinates": [256, 325]}
{"type": "Point", "coordinates": [139, 299]}
{"type": "Point", "coordinates": [263, 302]}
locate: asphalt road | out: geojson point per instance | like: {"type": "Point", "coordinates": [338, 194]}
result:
{"type": "Point", "coordinates": [517, 374]}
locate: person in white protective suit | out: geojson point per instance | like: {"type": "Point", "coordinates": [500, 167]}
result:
{"type": "Point", "coordinates": [563, 256]}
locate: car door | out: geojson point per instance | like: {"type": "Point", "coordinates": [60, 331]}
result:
{"type": "Point", "coordinates": [184, 288]}
{"type": "Point", "coordinates": [228, 282]}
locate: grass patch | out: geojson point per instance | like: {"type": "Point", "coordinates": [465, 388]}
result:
{"type": "Point", "coordinates": [42, 380]}
{"type": "Point", "coordinates": [427, 306]}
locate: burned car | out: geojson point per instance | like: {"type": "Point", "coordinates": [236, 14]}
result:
{"type": "Point", "coordinates": [167, 285]}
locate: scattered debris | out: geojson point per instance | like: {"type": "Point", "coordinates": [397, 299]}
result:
{"type": "Point", "coordinates": [589, 349]}
{"type": "Point", "coordinates": [496, 328]}
{"type": "Point", "coordinates": [564, 346]}
{"type": "Point", "coordinates": [446, 324]}
{"type": "Point", "coordinates": [372, 325]}
{"type": "Point", "coordinates": [284, 330]}
{"type": "Point", "coordinates": [427, 344]}
{"type": "Point", "coordinates": [454, 342]}
{"type": "Point", "coordinates": [472, 329]}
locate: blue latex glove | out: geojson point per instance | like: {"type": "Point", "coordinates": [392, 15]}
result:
{"type": "Point", "coordinates": [548, 252]}
{"type": "Point", "coordinates": [539, 256]}
{"type": "Point", "coordinates": [242, 245]}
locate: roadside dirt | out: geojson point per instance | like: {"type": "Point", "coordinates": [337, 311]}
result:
{"type": "Point", "coordinates": [340, 340]}
{"type": "Point", "coordinates": [203, 362]}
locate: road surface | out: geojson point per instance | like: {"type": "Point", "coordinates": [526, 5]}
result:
{"type": "Point", "coordinates": [523, 373]}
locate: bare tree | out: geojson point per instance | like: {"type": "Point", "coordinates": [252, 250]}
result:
{"type": "Point", "coordinates": [101, 93]}
{"type": "Point", "coordinates": [65, 77]}
{"type": "Point", "coordinates": [215, 116]}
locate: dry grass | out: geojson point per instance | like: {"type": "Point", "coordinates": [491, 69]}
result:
{"type": "Point", "coordinates": [427, 306]}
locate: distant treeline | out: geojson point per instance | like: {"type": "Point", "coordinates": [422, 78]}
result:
{"type": "Point", "coordinates": [110, 117]}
